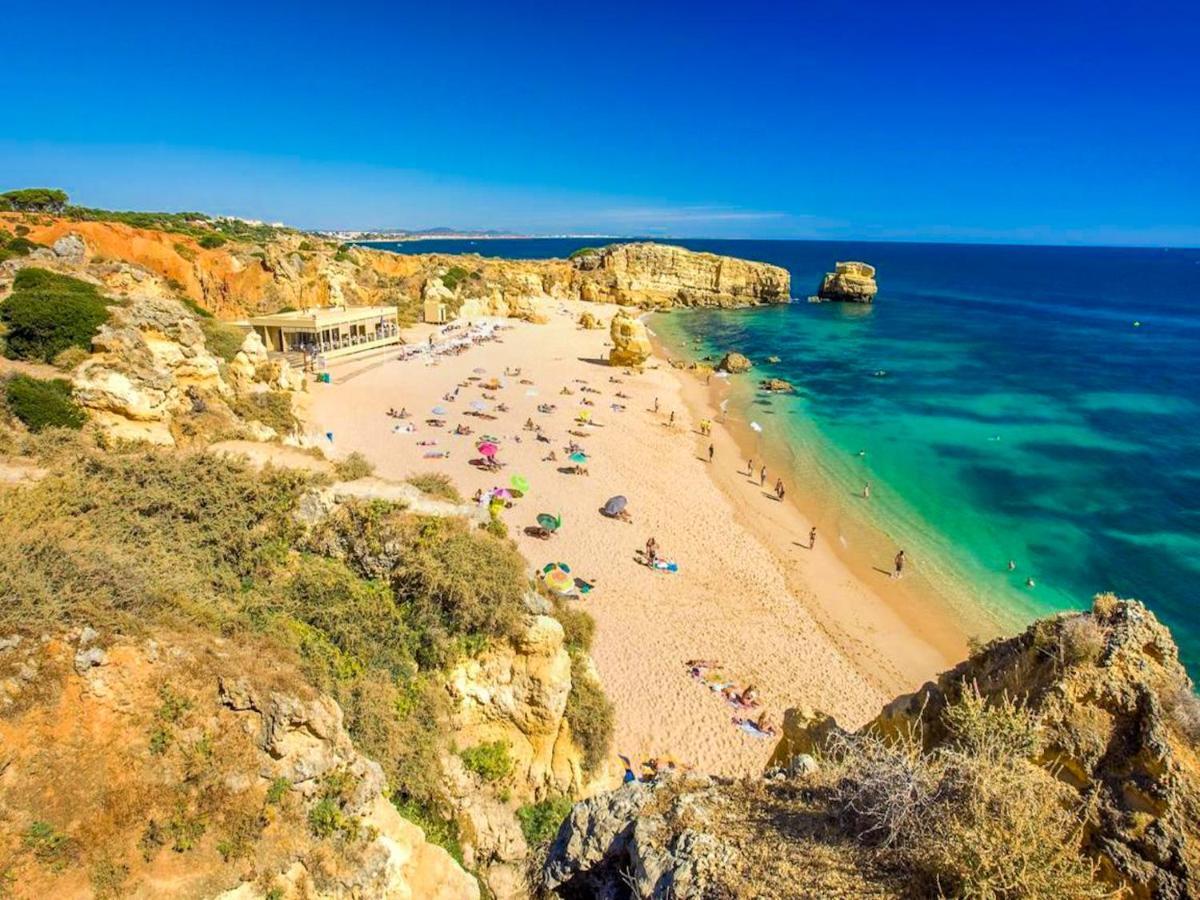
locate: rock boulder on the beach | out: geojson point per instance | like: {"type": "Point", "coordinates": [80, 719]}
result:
{"type": "Point", "coordinates": [734, 364]}
{"type": "Point", "coordinates": [852, 281]}
{"type": "Point", "coordinates": [631, 343]}
{"type": "Point", "coordinates": [776, 386]}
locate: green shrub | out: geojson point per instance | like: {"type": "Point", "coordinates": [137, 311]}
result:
{"type": "Point", "coordinates": [211, 241]}
{"type": "Point", "coordinates": [353, 467]}
{"type": "Point", "coordinates": [437, 485]}
{"type": "Point", "coordinates": [49, 845]}
{"type": "Point", "coordinates": [578, 626]}
{"type": "Point", "coordinates": [584, 251]}
{"type": "Point", "coordinates": [185, 251]}
{"type": "Point", "coordinates": [271, 408]}
{"type": "Point", "coordinates": [49, 200]}
{"type": "Point", "coordinates": [195, 308]}
{"type": "Point", "coordinates": [541, 821]}
{"type": "Point", "coordinates": [47, 313]}
{"type": "Point", "coordinates": [590, 715]}
{"type": "Point", "coordinates": [70, 358]}
{"type": "Point", "coordinates": [440, 830]}
{"type": "Point", "coordinates": [454, 276]}
{"type": "Point", "coordinates": [491, 761]}
{"type": "Point", "coordinates": [222, 338]}
{"type": "Point", "coordinates": [42, 403]}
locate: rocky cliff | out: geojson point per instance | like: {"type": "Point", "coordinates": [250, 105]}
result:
{"type": "Point", "coordinates": [1060, 762]}
{"type": "Point", "coordinates": [297, 271]}
{"type": "Point", "coordinates": [852, 281]}
{"type": "Point", "coordinates": [186, 767]}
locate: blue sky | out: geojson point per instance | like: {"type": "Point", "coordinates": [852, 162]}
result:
{"type": "Point", "coordinates": [1048, 122]}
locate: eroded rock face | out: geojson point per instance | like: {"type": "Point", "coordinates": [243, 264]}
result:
{"type": "Point", "coordinates": [1113, 701]}
{"type": "Point", "coordinates": [151, 376]}
{"type": "Point", "coordinates": [852, 281]}
{"type": "Point", "coordinates": [661, 275]}
{"type": "Point", "coordinates": [630, 341]}
{"type": "Point", "coordinates": [193, 733]}
{"type": "Point", "coordinates": [237, 279]}
{"type": "Point", "coordinates": [734, 364]}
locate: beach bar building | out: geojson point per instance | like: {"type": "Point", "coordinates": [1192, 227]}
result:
{"type": "Point", "coordinates": [330, 331]}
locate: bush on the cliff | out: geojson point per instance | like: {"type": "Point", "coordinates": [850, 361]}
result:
{"type": "Point", "coordinates": [46, 200]}
{"type": "Point", "coordinates": [222, 339]}
{"type": "Point", "coordinates": [590, 715]}
{"type": "Point", "coordinates": [974, 818]}
{"type": "Point", "coordinates": [48, 312]}
{"type": "Point", "coordinates": [540, 821]}
{"type": "Point", "coordinates": [491, 760]}
{"type": "Point", "coordinates": [584, 251]}
{"type": "Point", "coordinates": [210, 241]}
{"type": "Point", "coordinates": [41, 404]}
{"type": "Point", "coordinates": [353, 467]}
{"type": "Point", "coordinates": [436, 485]}
{"type": "Point", "coordinates": [271, 408]}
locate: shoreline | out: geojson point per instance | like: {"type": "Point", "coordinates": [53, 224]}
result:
{"type": "Point", "coordinates": [802, 627]}
{"type": "Point", "coordinates": [923, 634]}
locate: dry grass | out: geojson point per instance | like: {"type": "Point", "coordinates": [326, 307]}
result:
{"type": "Point", "coordinates": [436, 485]}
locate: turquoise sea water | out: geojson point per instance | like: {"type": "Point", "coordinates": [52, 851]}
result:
{"type": "Point", "coordinates": [1023, 414]}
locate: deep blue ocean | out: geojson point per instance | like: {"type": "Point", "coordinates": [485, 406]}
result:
{"type": "Point", "coordinates": [1040, 404]}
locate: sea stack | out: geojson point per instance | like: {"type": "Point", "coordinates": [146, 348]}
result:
{"type": "Point", "coordinates": [850, 281]}
{"type": "Point", "coordinates": [630, 342]}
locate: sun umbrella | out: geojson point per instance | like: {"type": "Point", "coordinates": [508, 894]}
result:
{"type": "Point", "coordinates": [439, 410]}
{"type": "Point", "coordinates": [615, 505]}
{"type": "Point", "coordinates": [479, 371]}
{"type": "Point", "coordinates": [549, 522]}
{"type": "Point", "coordinates": [502, 493]}
{"type": "Point", "coordinates": [478, 405]}
{"type": "Point", "coordinates": [519, 483]}
{"type": "Point", "coordinates": [584, 416]}
{"type": "Point", "coordinates": [756, 426]}
{"type": "Point", "coordinates": [558, 578]}
{"type": "Point", "coordinates": [487, 448]}
{"type": "Point", "coordinates": [578, 457]}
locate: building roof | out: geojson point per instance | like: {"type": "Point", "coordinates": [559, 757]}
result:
{"type": "Point", "coordinates": [324, 317]}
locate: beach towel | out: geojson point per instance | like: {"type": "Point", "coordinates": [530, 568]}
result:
{"type": "Point", "coordinates": [436, 454]}
{"type": "Point", "coordinates": [751, 729]}
{"type": "Point", "coordinates": [663, 565]}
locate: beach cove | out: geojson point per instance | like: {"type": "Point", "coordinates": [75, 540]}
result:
{"type": "Point", "coordinates": [801, 626]}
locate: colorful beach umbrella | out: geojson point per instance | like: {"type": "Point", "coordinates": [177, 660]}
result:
{"type": "Point", "coordinates": [519, 483]}
{"type": "Point", "coordinates": [502, 493]}
{"type": "Point", "coordinates": [615, 505]}
{"type": "Point", "coordinates": [578, 457]}
{"type": "Point", "coordinates": [549, 522]}
{"type": "Point", "coordinates": [584, 416]}
{"type": "Point", "coordinates": [488, 449]}
{"type": "Point", "coordinates": [478, 405]}
{"type": "Point", "coordinates": [439, 410]}
{"type": "Point", "coordinates": [558, 578]}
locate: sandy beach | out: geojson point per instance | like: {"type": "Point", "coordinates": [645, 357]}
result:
{"type": "Point", "coordinates": [804, 627]}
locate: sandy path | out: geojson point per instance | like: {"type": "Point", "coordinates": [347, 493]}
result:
{"type": "Point", "coordinates": [741, 596]}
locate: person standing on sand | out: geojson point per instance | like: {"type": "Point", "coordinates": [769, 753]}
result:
{"type": "Point", "coordinates": [656, 404]}
{"type": "Point", "coordinates": [651, 552]}
{"type": "Point", "coordinates": [750, 467]}
{"type": "Point", "coordinates": [711, 450]}
{"type": "Point", "coordinates": [867, 491]}
{"type": "Point", "coordinates": [762, 477]}
{"type": "Point", "coordinates": [812, 537]}
{"type": "Point", "coordinates": [779, 491]}
{"type": "Point", "coordinates": [672, 421]}
{"type": "Point", "coordinates": [898, 562]}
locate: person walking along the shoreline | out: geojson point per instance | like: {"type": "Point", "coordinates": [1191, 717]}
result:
{"type": "Point", "coordinates": [779, 491]}
{"type": "Point", "coordinates": [711, 451]}
{"type": "Point", "coordinates": [812, 537]}
{"type": "Point", "coordinates": [898, 562]}
{"type": "Point", "coordinates": [762, 477]}
{"type": "Point", "coordinates": [867, 491]}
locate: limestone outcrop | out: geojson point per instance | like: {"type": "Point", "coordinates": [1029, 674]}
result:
{"type": "Point", "coordinates": [734, 364]}
{"type": "Point", "coordinates": [776, 386]}
{"type": "Point", "coordinates": [630, 341]}
{"type": "Point", "coordinates": [186, 761]}
{"type": "Point", "coordinates": [1088, 717]}
{"type": "Point", "coordinates": [649, 274]}
{"type": "Point", "coordinates": [301, 271]}
{"type": "Point", "coordinates": [152, 377]}
{"type": "Point", "coordinates": [852, 281]}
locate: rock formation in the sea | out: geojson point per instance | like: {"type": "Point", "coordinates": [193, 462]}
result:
{"type": "Point", "coordinates": [852, 281]}
{"type": "Point", "coordinates": [776, 386]}
{"type": "Point", "coordinates": [152, 377]}
{"type": "Point", "coordinates": [734, 363]}
{"type": "Point", "coordinates": [661, 275]}
{"type": "Point", "coordinates": [1060, 762]}
{"type": "Point", "coordinates": [630, 342]}
{"type": "Point", "coordinates": [189, 771]}
{"type": "Point", "coordinates": [289, 269]}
